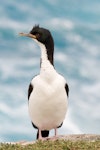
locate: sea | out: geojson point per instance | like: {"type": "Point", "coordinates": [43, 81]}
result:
{"type": "Point", "coordinates": [75, 27]}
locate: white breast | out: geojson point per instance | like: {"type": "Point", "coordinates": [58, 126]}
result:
{"type": "Point", "coordinates": [48, 101]}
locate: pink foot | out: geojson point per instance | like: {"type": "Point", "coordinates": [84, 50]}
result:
{"type": "Point", "coordinates": [55, 137]}
{"type": "Point", "coordinates": [40, 136]}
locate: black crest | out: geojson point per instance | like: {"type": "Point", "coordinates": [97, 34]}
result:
{"type": "Point", "coordinates": [35, 29]}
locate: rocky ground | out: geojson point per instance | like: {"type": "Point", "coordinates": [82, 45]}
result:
{"type": "Point", "coordinates": [74, 137]}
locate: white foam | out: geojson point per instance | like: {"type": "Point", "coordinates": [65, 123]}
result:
{"type": "Point", "coordinates": [84, 94]}
{"type": "Point", "coordinates": [70, 125]}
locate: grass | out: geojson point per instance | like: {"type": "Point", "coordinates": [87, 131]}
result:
{"type": "Point", "coordinates": [56, 145]}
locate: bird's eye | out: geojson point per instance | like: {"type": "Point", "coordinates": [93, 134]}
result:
{"type": "Point", "coordinates": [34, 33]}
{"type": "Point", "coordinates": [37, 35]}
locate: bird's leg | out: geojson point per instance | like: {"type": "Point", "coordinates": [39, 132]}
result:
{"type": "Point", "coordinates": [40, 135]}
{"type": "Point", "coordinates": [55, 135]}
{"type": "Point", "coordinates": [55, 132]}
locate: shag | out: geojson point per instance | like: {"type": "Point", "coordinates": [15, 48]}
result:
{"type": "Point", "coordinates": [48, 91]}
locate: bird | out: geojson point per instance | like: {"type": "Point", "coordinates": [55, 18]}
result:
{"type": "Point", "coordinates": [48, 91]}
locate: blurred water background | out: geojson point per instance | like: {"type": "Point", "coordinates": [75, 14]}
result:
{"type": "Point", "coordinates": [75, 26]}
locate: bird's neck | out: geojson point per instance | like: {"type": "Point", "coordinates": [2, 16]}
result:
{"type": "Point", "coordinates": [46, 60]}
{"type": "Point", "coordinates": [47, 71]}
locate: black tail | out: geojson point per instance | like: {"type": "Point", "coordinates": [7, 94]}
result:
{"type": "Point", "coordinates": [44, 133]}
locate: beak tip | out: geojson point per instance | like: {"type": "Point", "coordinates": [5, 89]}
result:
{"type": "Point", "coordinates": [21, 34]}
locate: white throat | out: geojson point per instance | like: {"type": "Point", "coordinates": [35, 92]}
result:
{"type": "Point", "coordinates": [45, 63]}
{"type": "Point", "coordinates": [47, 70]}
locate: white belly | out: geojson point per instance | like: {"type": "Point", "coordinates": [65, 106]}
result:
{"type": "Point", "coordinates": [48, 103]}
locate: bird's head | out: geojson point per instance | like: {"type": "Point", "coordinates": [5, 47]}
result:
{"type": "Point", "coordinates": [43, 37]}
{"type": "Point", "coordinates": [39, 34]}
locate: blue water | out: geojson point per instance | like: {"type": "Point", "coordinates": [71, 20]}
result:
{"type": "Point", "coordinates": [75, 26]}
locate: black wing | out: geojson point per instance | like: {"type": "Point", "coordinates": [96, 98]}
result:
{"type": "Point", "coordinates": [67, 89]}
{"type": "Point", "coordinates": [67, 92]}
{"type": "Point", "coordinates": [30, 89]}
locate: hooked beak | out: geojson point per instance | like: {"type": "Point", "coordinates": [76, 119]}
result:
{"type": "Point", "coordinates": [28, 35]}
